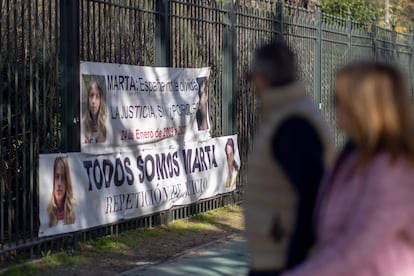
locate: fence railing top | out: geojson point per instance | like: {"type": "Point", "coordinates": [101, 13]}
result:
{"type": "Point", "coordinates": [298, 8]}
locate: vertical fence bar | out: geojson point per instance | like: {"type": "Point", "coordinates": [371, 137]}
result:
{"type": "Point", "coordinates": [88, 29]}
{"type": "Point", "coordinates": [394, 43]}
{"type": "Point", "coordinates": [349, 34]}
{"type": "Point", "coordinates": [374, 37]}
{"type": "Point", "coordinates": [279, 20]}
{"type": "Point", "coordinates": [42, 82]}
{"type": "Point", "coordinates": [9, 129]}
{"type": "Point", "coordinates": [318, 57]}
{"type": "Point", "coordinates": [82, 35]}
{"type": "Point", "coordinates": [31, 129]}
{"type": "Point", "coordinates": [119, 46]}
{"type": "Point", "coordinates": [228, 77]}
{"type": "Point", "coordinates": [410, 64]}
{"type": "Point", "coordinates": [163, 34]}
{"type": "Point", "coordinates": [69, 62]}
{"type": "Point", "coordinates": [24, 140]}
{"type": "Point", "coordinates": [36, 147]}
{"type": "Point", "coordinates": [15, 111]}
{"type": "Point", "coordinates": [94, 30]}
{"type": "Point", "coordinates": [2, 151]}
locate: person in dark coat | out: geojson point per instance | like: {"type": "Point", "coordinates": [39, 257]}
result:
{"type": "Point", "coordinates": [291, 150]}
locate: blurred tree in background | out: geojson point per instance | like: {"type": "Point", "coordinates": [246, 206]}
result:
{"type": "Point", "coordinates": [361, 10]}
{"type": "Point", "coordinates": [403, 14]}
{"type": "Point", "coordinates": [387, 12]}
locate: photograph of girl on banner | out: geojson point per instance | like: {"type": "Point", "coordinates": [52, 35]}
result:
{"type": "Point", "coordinates": [202, 112]}
{"type": "Point", "coordinates": [232, 165]}
{"type": "Point", "coordinates": [95, 114]}
{"type": "Point", "coordinates": [60, 207]}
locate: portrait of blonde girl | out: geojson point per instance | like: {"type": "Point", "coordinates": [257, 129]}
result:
{"type": "Point", "coordinates": [232, 166]}
{"type": "Point", "coordinates": [94, 118]}
{"type": "Point", "coordinates": [61, 203]}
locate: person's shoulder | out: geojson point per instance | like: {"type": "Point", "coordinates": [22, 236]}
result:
{"type": "Point", "coordinates": [390, 180]}
{"type": "Point", "coordinates": [385, 159]}
{"type": "Point", "coordinates": [295, 137]}
{"type": "Point", "coordinates": [385, 165]}
{"type": "Point", "coordinates": [296, 127]}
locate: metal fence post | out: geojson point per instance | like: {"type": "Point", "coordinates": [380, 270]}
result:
{"type": "Point", "coordinates": [374, 37]}
{"type": "Point", "coordinates": [318, 56]}
{"type": "Point", "coordinates": [279, 20]}
{"type": "Point", "coordinates": [163, 34]}
{"type": "Point", "coordinates": [394, 42]}
{"type": "Point", "coordinates": [349, 34]}
{"type": "Point", "coordinates": [411, 62]}
{"type": "Point", "coordinates": [229, 73]}
{"type": "Point", "coordinates": [69, 73]}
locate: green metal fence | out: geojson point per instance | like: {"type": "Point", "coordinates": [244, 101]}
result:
{"type": "Point", "coordinates": [42, 42]}
{"type": "Point", "coordinates": [324, 42]}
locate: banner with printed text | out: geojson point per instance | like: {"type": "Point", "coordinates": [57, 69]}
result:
{"type": "Point", "coordinates": [79, 191]}
{"type": "Point", "coordinates": [124, 106]}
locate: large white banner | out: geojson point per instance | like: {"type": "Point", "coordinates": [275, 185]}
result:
{"type": "Point", "coordinates": [79, 191]}
{"type": "Point", "coordinates": [124, 105]}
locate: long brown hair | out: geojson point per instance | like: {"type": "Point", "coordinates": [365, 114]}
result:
{"type": "Point", "coordinates": [52, 209]}
{"type": "Point", "coordinates": [375, 96]}
{"type": "Point", "coordinates": [230, 143]}
{"type": "Point", "coordinates": [102, 113]}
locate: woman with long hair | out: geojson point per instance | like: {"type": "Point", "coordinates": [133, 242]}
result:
{"type": "Point", "coordinates": [232, 166]}
{"type": "Point", "coordinates": [365, 213]}
{"type": "Point", "coordinates": [94, 119]}
{"type": "Point", "coordinates": [61, 202]}
{"type": "Point", "coordinates": [202, 112]}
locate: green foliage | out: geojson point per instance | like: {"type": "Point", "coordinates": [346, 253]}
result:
{"type": "Point", "coordinates": [206, 217]}
{"type": "Point", "coordinates": [124, 241]}
{"type": "Point", "coordinates": [60, 258]}
{"type": "Point", "coordinates": [403, 13]}
{"type": "Point", "coordinates": [47, 256]}
{"type": "Point", "coordinates": [361, 10]}
{"type": "Point", "coordinates": [64, 258]}
{"type": "Point", "coordinates": [105, 244]}
{"type": "Point", "coordinates": [18, 270]}
{"type": "Point", "coordinates": [185, 226]}
{"type": "Point", "coordinates": [49, 260]}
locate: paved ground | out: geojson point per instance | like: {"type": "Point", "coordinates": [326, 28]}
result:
{"type": "Point", "coordinates": [223, 257]}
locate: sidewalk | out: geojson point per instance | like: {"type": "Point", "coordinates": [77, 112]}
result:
{"type": "Point", "coordinates": [227, 256]}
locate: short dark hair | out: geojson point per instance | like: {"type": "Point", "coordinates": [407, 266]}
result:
{"type": "Point", "coordinates": [276, 62]}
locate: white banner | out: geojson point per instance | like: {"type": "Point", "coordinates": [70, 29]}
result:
{"type": "Point", "coordinates": [79, 191]}
{"type": "Point", "coordinates": [124, 105]}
